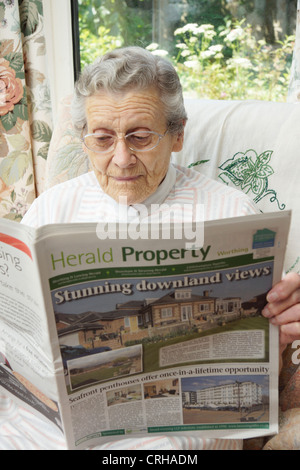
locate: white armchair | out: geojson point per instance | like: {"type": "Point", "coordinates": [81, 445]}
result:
{"type": "Point", "coordinates": [251, 145]}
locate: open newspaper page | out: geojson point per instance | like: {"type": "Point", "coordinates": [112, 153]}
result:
{"type": "Point", "coordinates": [27, 363]}
{"type": "Point", "coordinates": [148, 337]}
{"type": "Point", "coordinates": [156, 338]}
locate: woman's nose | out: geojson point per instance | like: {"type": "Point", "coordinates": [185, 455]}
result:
{"type": "Point", "coordinates": [123, 156]}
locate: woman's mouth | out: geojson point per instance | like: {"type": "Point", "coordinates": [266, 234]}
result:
{"type": "Point", "coordinates": [125, 179]}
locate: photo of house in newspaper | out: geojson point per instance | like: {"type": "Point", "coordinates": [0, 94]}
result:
{"type": "Point", "coordinates": [168, 321]}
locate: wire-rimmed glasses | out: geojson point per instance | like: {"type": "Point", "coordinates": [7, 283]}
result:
{"type": "Point", "coordinates": [139, 141]}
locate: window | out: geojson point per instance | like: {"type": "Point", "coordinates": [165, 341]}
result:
{"type": "Point", "coordinates": [166, 312]}
{"type": "Point", "coordinates": [233, 49]}
{"type": "Point", "coordinates": [186, 312]}
{"type": "Point", "coordinates": [204, 307]}
{"type": "Point", "coordinates": [183, 294]}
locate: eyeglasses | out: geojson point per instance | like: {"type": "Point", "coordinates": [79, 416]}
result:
{"type": "Point", "coordinates": [140, 141]}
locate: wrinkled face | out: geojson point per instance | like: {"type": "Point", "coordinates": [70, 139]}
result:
{"type": "Point", "coordinates": [121, 171]}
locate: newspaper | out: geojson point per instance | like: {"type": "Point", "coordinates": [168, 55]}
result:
{"type": "Point", "coordinates": [125, 338]}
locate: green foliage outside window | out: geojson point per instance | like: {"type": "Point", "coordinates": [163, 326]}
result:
{"type": "Point", "coordinates": [222, 59]}
{"type": "Point", "coordinates": [231, 63]}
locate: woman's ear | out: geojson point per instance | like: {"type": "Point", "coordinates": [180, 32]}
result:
{"type": "Point", "coordinates": [84, 148]}
{"type": "Point", "coordinates": [178, 144]}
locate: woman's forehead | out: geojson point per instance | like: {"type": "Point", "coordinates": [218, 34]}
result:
{"type": "Point", "coordinates": [134, 105]}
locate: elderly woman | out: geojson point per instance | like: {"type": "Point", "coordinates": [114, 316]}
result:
{"type": "Point", "coordinates": [128, 106]}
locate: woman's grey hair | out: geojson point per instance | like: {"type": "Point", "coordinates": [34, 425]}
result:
{"type": "Point", "coordinates": [131, 68]}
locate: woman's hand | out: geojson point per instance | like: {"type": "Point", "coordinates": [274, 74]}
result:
{"type": "Point", "coordinates": [283, 308]}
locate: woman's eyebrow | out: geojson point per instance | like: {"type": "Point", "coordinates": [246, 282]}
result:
{"type": "Point", "coordinates": [104, 130]}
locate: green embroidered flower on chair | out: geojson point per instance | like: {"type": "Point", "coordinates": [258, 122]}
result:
{"type": "Point", "coordinates": [250, 172]}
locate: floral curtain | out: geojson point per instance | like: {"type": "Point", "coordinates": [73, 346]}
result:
{"type": "Point", "coordinates": [294, 89]}
{"type": "Point", "coordinates": [25, 106]}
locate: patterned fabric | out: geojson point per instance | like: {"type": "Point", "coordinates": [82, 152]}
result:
{"type": "Point", "coordinates": [251, 146]}
{"type": "Point", "coordinates": [25, 108]}
{"type": "Point", "coordinates": [288, 437]}
{"type": "Point", "coordinates": [289, 386]}
{"type": "Point", "coordinates": [22, 430]}
{"type": "Point", "coordinates": [82, 200]}
{"type": "Point", "coordinates": [66, 158]}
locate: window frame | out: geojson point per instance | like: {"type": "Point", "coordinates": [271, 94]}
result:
{"type": "Point", "coordinates": [75, 38]}
{"type": "Point", "coordinates": [166, 312]}
{"type": "Point", "coordinates": [62, 52]}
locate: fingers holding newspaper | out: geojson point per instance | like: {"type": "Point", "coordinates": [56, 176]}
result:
{"type": "Point", "coordinates": [283, 308]}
